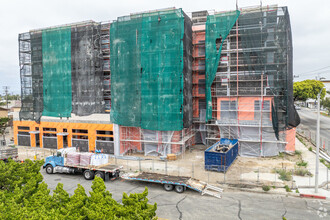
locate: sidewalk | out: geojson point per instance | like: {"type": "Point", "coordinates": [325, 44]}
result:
{"type": "Point", "coordinates": [306, 184]}
{"type": "Point", "coordinates": [310, 193]}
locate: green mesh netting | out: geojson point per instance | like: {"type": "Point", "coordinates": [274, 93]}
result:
{"type": "Point", "coordinates": [147, 70]}
{"type": "Point", "coordinates": [125, 64]}
{"type": "Point", "coordinates": [217, 28]}
{"type": "Point", "coordinates": [56, 60]}
{"type": "Point", "coordinates": [162, 67]}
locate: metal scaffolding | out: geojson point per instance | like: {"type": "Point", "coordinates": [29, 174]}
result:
{"type": "Point", "coordinates": [252, 90]}
{"type": "Point", "coordinates": [155, 143]}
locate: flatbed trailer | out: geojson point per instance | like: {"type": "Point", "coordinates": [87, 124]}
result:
{"type": "Point", "coordinates": [8, 152]}
{"type": "Point", "coordinates": [177, 183]}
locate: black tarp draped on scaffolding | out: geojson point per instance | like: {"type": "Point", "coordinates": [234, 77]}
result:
{"type": "Point", "coordinates": [86, 70]}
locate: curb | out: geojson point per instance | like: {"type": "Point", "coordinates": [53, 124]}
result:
{"type": "Point", "coordinates": [312, 196]}
{"type": "Point", "coordinates": [302, 195]}
{"type": "Point", "coordinates": [263, 192]}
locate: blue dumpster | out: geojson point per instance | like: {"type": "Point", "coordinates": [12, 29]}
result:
{"type": "Point", "coordinates": [221, 155]}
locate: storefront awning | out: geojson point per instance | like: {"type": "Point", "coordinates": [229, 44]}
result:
{"type": "Point", "coordinates": [63, 134]}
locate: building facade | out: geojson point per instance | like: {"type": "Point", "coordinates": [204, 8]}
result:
{"type": "Point", "coordinates": [169, 81]}
{"type": "Point", "coordinates": [247, 63]}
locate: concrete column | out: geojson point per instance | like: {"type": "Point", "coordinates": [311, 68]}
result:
{"type": "Point", "coordinates": [116, 138]}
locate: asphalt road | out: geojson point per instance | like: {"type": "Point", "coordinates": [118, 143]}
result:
{"type": "Point", "coordinates": [191, 205]}
{"type": "Point", "coordinates": [308, 120]}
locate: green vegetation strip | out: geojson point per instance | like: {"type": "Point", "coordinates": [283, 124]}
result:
{"type": "Point", "coordinates": [24, 195]}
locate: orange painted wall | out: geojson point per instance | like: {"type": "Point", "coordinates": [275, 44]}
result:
{"type": "Point", "coordinates": [198, 37]}
{"type": "Point", "coordinates": [176, 138]}
{"type": "Point", "coordinates": [198, 52]}
{"type": "Point", "coordinates": [92, 128]}
{"type": "Point", "coordinates": [195, 107]}
{"type": "Point", "coordinates": [245, 106]}
{"type": "Point", "coordinates": [196, 77]}
{"type": "Point", "coordinates": [291, 139]}
{"type": "Point", "coordinates": [131, 133]}
{"type": "Point", "coordinates": [196, 93]}
{"type": "Point", "coordinates": [134, 133]}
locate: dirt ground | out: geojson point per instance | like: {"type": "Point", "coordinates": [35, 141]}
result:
{"type": "Point", "coordinates": [191, 164]}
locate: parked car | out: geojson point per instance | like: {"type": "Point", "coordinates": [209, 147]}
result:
{"type": "Point", "coordinates": [297, 107]}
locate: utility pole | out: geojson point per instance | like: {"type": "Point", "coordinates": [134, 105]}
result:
{"type": "Point", "coordinates": [6, 89]}
{"type": "Point", "coordinates": [317, 142]}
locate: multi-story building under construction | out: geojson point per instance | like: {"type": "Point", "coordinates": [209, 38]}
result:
{"type": "Point", "coordinates": [248, 86]}
{"type": "Point", "coordinates": [168, 80]}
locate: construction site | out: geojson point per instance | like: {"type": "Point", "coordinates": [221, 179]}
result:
{"type": "Point", "coordinates": [159, 82]}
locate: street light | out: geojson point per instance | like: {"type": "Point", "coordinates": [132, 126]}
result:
{"type": "Point", "coordinates": [317, 142]}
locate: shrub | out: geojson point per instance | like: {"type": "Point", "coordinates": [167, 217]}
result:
{"type": "Point", "coordinates": [284, 175]}
{"type": "Point", "coordinates": [302, 163]}
{"type": "Point", "coordinates": [24, 195]}
{"type": "Point", "coordinates": [265, 188]}
{"type": "Point", "coordinates": [302, 172]}
{"type": "Point", "coordinates": [310, 149]}
{"type": "Point", "coordinates": [322, 160]}
{"type": "Point", "coordinates": [274, 187]}
{"type": "Point", "coordinates": [287, 188]}
{"type": "Point", "coordinates": [297, 152]}
{"type": "Point", "coordinates": [297, 191]}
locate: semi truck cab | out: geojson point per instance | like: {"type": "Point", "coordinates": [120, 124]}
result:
{"type": "Point", "coordinates": [54, 161]}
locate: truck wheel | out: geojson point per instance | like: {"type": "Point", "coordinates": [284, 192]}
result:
{"type": "Point", "coordinates": [100, 174]}
{"type": "Point", "coordinates": [49, 169]}
{"type": "Point", "coordinates": [168, 187]}
{"type": "Point", "coordinates": [179, 189]}
{"type": "Point", "coordinates": [117, 174]}
{"type": "Point", "coordinates": [88, 174]}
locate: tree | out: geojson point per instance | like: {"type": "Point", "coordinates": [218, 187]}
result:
{"type": "Point", "coordinates": [23, 195]}
{"type": "Point", "coordinates": [326, 104]}
{"type": "Point", "coordinates": [10, 97]}
{"type": "Point", "coordinates": [307, 89]}
{"type": "Point", "coordinates": [14, 97]}
{"type": "Point", "coordinates": [3, 125]}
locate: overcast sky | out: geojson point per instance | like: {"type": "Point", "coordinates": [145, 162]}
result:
{"type": "Point", "coordinates": [310, 22]}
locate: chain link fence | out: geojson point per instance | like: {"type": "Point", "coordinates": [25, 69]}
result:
{"type": "Point", "coordinates": [276, 177]}
{"type": "Point", "coordinates": [195, 169]}
{"type": "Point", "coordinates": [236, 175]}
{"type": "Point", "coordinates": [310, 135]}
{"type": "Point", "coordinates": [34, 153]}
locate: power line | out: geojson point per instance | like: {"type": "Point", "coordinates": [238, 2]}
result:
{"type": "Point", "coordinates": [316, 73]}
{"type": "Point", "coordinates": [311, 72]}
